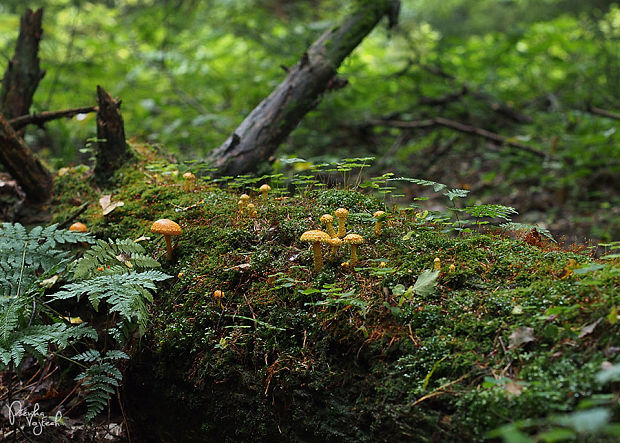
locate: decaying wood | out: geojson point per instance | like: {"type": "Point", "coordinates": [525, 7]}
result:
{"type": "Point", "coordinates": [270, 123]}
{"type": "Point", "coordinates": [112, 150]}
{"type": "Point", "coordinates": [23, 73]}
{"type": "Point", "coordinates": [461, 127]}
{"type": "Point", "coordinates": [34, 179]}
{"type": "Point", "coordinates": [40, 118]}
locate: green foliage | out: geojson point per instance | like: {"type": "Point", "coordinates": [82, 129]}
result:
{"type": "Point", "coordinates": [25, 255]}
{"type": "Point", "coordinates": [101, 379]}
{"type": "Point", "coordinates": [117, 272]}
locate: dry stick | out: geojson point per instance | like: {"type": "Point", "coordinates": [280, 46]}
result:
{"type": "Point", "coordinates": [461, 127]}
{"type": "Point", "coordinates": [75, 215]}
{"type": "Point", "coordinates": [439, 390]}
{"type": "Point", "coordinates": [603, 112]}
{"type": "Point", "coordinates": [42, 117]}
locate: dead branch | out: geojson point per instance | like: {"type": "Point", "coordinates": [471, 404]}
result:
{"type": "Point", "coordinates": [603, 112]}
{"type": "Point", "coordinates": [40, 118]}
{"type": "Point", "coordinates": [461, 127]}
{"type": "Point", "coordinates": [270, 123]}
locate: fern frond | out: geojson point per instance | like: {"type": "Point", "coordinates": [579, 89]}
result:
{"type": "Point", "coordinates": [125, 293]}
{"type": "Point", "coordinates": [37, 338]}
{"type": "Point", "coordinates": [39, 249]}
{"type": "Point", "coordinates": [113, 257]}
{"type": "Point", "coordinates": [100, 380]}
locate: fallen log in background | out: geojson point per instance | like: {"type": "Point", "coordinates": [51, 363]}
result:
{"type": "Point", "coordinates": [270, 123]}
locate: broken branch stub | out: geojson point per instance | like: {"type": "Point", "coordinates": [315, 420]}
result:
{"type": "Point", "coordinates": [112, 149]}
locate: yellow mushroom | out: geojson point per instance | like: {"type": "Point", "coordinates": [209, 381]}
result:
{"type": "Point", "coordinates": [437, 264]}
{"type": "Point", "coordinates": [354, 240]}
{"type": "Point", "coordinates": [190, 182]}
{"type": "Point", "coordinates": [264, 190]}
{"type": "Point", "coordinates": [342, 215]}
{"type": "Point", "coordinates": [327, 220]}
{"type": "Point", "coordinates": [218, 295]}
{"type": "Point", "coordinates": [316, 237]}
{"type": "Point", "coordinates": [167, 228]}
{"type": "Point", "coordinates": [335, 243]}
{"type": "Point", "coordinates": [78, 227]}
{"type": "Point", "coordinates": [380, 216]}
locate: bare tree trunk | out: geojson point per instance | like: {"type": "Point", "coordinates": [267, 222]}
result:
{"type": "Point", "coordinates": [270, 123]}
{"type": "Point", "coordinates": [32, 176]}
{"type": "Point", "coordinates": [112, 149]}
{"type": "Point", "coordinates": [24, 73]}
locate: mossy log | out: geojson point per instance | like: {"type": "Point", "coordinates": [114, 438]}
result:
{"type": "Point", "coordinates": [270, 123]}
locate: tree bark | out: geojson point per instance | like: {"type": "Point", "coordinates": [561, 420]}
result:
{"type": "Point", "coordinates": [35, 180]}
{"type": "Point", "coordinates": [270, 123]}
{"type": "Point", "coordinates": [23, 73]}
{"type": "Point", "coordinates": [112, 149]}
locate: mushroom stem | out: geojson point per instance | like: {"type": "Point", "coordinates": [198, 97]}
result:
{"type": "Point", "coordinates": [378, 228]}
{"type": "Point", "coordinates": [168, 248]}
{"type": "Point", "coordinates": [318, 256]}
{"type": "Point", "coordinates": [341, 228]}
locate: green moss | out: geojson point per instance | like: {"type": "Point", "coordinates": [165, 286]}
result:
{"type": "Point", "coordinates": [290, 354]}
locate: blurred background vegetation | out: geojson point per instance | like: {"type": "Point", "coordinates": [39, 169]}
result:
{"type": "Point", "coordinates": [188, 71]}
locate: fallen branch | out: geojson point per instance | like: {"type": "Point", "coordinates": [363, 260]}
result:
{"type": "Point", "coordinates": [461, 127]}
{"type": "Point", "coordinates": [42, 117]}
{"type": "Point", "coordinates": [603, 112]}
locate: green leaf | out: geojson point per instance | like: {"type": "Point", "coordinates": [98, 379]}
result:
{"type": "Point", "coordinates": [426, 282]}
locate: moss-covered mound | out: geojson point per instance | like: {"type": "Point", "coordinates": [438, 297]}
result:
{"type": "Point", "coordinates": [509, 335]}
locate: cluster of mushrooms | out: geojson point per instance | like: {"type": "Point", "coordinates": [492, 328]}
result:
{"type": "Point", "coordinates": [336, 238]}
{"type": "Point", "coordinates": [245, 207]}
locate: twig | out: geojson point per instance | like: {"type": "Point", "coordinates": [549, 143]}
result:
{"type": "Point", "coordinates": [39, 118]}
{"type": "Point", "coordinates": [439, 390]}
{"type": "Point", "coordinates": [461, 127]}
{"type": "Point", "coordinates": [603, 112]}
{"type": "Point", "coordinates": [75, 215]}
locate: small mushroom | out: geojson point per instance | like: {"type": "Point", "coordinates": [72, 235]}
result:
{"type": "Point", "coordinates": [190, 182]}
{"type": "Point", "coordinates": [243, 202]}
{"type": "Point", "coordinates": [437, 264]}
{"type": "Point", "coordinates": [335, 243]}
{"type": "Point", "coordinates": [354, 240]}
{"type": "Point", "coordinates": [218, 296]}
{"type": "Point", "coordinates": [327, 220]}
{"type": "Point", "coordinates": [342, 215]}
{"type": "Point", "coordinates": [78, 227]}
{"type": "Point", "coordinates": [264, 190]}
{"type": "Point", "coordinates": [252, 213]}
{"type": "Point", "coordinates": [167, 228]}
{"type": "Point", "coordinates": [380, 216]}
{"type": "Point", "coordinates": [316, 237]}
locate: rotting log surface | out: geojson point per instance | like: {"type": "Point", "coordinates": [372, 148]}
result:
{"type": "Point", "coordinates": [23, 73]}
{"type": "Point", "coordinates": [268, 125]}
{"type": "Point", "coordinates": [112, 149]}
{"type": "Point", "coordinates": [34, 179]}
